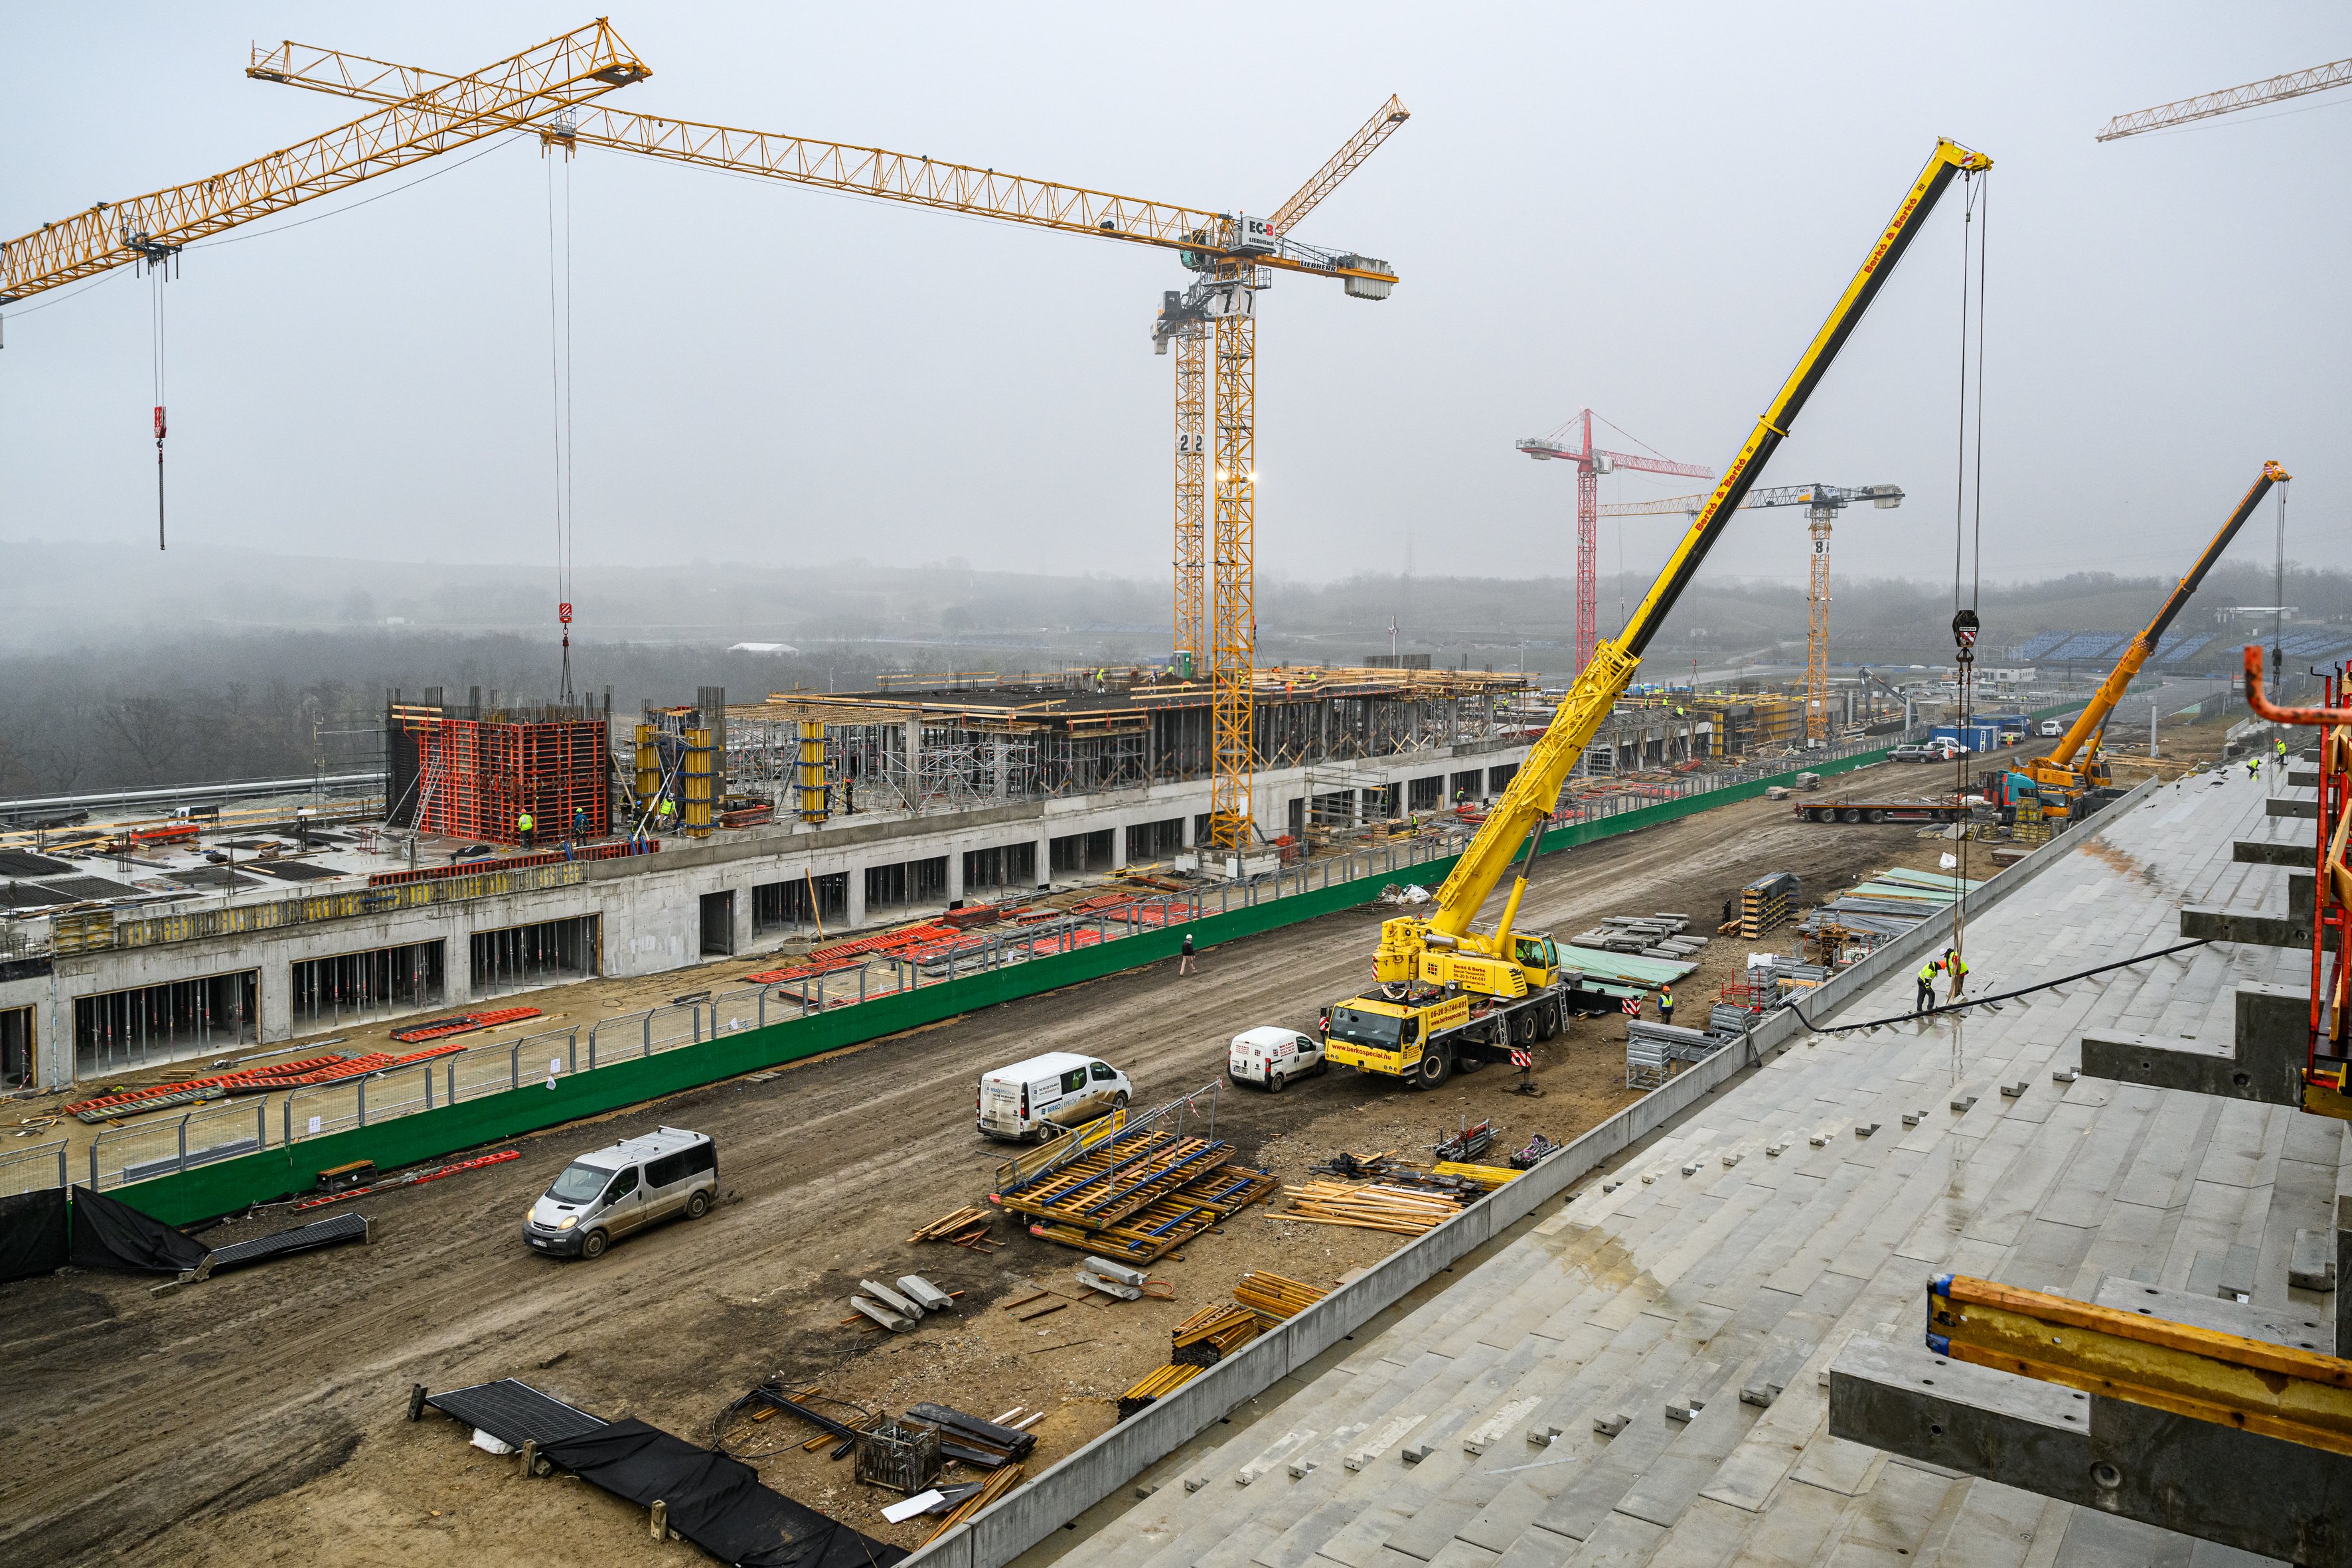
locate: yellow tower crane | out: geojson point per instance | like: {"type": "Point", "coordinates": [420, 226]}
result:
{"type": "Point", "coordinates": [1233, 254]}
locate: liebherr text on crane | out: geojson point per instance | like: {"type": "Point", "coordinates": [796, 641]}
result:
{"type": "Point", "coordinates": [1445, 992]}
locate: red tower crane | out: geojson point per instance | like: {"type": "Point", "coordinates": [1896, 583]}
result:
{"type": "Point", "coordinates": [1573, 442]}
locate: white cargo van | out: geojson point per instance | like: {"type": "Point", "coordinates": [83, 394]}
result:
{"type": "Point", "coordinates": [1044, 1096]}
{"type": "Point", "coordinates": [1273, 1057]}
{"type": "Point", "coordinates": [603, 1196]}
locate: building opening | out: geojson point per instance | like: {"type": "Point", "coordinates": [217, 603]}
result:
{"type": "Point", "coordinates": [1006, 866]}
{"type": "Point", "coordinates": [907, 884]}
{"type": "Point", "coordinates": [719, 924]}
{"type": "Point", "coordinates": [1081, 852]}
{"type": "Point", "coordinates": [546, 954]}
{"type": "Point", "coordinates": [16, 1067]}
{"type": "Point", "coordinates": [1155, 840]}
{"type": "Point", "coordinates": [803, 904]}
{"type": "Point", "coordinates": [166, 1023]}
{"type": "Point", "coordinates": [352, 986]}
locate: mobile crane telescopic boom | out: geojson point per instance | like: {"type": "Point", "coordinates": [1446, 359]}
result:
{"type": "Point", "coordinates": [1429, 967]}
{"type": "Point", "coordinates": [2057, 776]}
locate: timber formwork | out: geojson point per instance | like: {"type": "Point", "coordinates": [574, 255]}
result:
{"type": "Point", "coordinates": [1137, 1194]}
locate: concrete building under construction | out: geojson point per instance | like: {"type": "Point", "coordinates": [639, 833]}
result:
{"type": "Point", "coordinates": [133, 945]}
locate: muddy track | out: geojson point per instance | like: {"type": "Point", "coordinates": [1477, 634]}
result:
{"type": "Point", "coordinates": [258, 1416]}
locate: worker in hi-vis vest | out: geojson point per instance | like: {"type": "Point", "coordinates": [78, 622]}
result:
{"type": "Point", "coordinates": [1956, 969]}
{"type": "Point", "coordinates": [1926, 998]}
{"type": "Point", "coordinates": [523, 826]}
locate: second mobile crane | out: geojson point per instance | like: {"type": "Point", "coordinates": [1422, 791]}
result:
{"type": "Point", "coordinates": [2058, 778]}
{"type": "Point", "coordinates": [1444, 991]}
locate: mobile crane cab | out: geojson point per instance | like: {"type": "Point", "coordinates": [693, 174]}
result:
{"type": "Point", "coordinates": [1446, 994]}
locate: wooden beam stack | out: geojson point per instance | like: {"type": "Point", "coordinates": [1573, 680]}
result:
{"type": "Point", "coordinates": [1273, 1297]}
{"type": "Point", "coordinates": [1398, 1209]}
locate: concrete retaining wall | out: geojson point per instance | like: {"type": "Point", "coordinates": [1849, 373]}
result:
{"type": "Point", "coordinates": [1068, 1489]}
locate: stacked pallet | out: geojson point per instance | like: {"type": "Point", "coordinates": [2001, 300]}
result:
{"type": "Point", "coordinates": [1767, 902]}
{"type": "Point", "coordinates": [1136, 1195]}
{"type": "Point", "coordinates": [1403, 1210]}
{"type": "Point", "coordinates": [1211, 1334]}
{"type": "Point", "coordinates": [1273, 1297]}
{"type": "Point", "coordinates": [462, 1023]}
{"type": "Point", "coordinates": [973, 1441]}
{"type": "Point", "coordinates": [1156, 1384]}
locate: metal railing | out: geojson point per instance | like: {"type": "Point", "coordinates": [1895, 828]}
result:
{"type": "Point", "coordinates": [32, 1170]}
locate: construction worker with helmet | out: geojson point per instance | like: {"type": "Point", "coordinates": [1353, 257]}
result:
{"type": "Point", "coordinates": [1666, 1003]}
{"type": "Point", "coordinates": [1926, 997]}
{"type": "Point", "coordinates": [1956, 969]}
{"type": "Point", "coordinates": [523, 826]}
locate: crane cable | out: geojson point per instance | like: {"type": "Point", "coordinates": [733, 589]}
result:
{"type": "Point", "coordinates": [559, 370]}
{"type": "Point", "coordinates": [1968, 519]}
{"type": "Point", "coordinates": [158, 274]}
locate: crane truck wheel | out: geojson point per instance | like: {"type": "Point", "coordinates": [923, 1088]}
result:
{"type": "Point", "coordinates": [1436, 1066]}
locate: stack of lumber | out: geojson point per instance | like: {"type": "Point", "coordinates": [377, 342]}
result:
{"type": "Point", "coordinates": [1379, 1207]}
{"type": "Point", "coordinates": [959, 1227]}
{"type": "Point", "coordinates": [1211, 1334]}
{"type": "Point", "coordinates": [1273, 1297]}
{"type": "Point", "coordinates": [1487, 1177]}
{"type": "Point", "coordinates": [1158, 1382]}
{"type": "Point", "coordinates": [973, 1440]}
{"type": "Point", "coordinates": [995, 1486]}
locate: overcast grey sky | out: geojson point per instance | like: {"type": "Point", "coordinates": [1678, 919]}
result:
{"type": "Point", "coordinates": [1645, 209]}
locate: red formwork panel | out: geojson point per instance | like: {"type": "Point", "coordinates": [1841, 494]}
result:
{"type": "Point", "coordinates": [479, 775]}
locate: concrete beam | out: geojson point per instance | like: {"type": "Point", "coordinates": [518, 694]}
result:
{"type": "Point", "coordinates": [2273, 1025]}
{"type": "Point", "coordinates": [2287, 806]}
{"type": "Point", "coordinates": [2235, 925]}
{"type": "Point", "coordinates": [2240, 1490]}
{"type": "Point", "coordinates": [2264, 852]}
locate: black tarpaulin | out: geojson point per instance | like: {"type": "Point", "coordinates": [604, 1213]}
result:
{"type": "Point", "coordinates": [32, 1233]}
{"type": "Point", "coordinates": [110, 1234]}
{"type": "Point", "coordinates": [302, 1238]}
{"type": "Point", "coordinates": [715, 1501]}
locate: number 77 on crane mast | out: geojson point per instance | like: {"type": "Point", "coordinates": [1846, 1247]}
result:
{"type": "Point", "coordinates": [1448, 993]}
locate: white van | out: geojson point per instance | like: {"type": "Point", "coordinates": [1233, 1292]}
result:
{"type": "Point", "coordinates": [2052, 729]}
{"type": "Point", "coordinates": [603, 1196]}
{"type": "Point", "coordinates": [1273, 1057]}
{"type": "Point", "coordinates": [1045, 1096]}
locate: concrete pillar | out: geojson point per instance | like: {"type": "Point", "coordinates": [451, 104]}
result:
{"type": "Point", "coordinates": [914, 746]}
{"type": "Point", "coordinates": [1044, 872]}
{"type": "Point", "coordinates": [1001, 755]}
{"type": "Point", "coordinates": [1188, 816]}
{"type": "Point", "coordinates": [856, 880]}
{"type": "Point", "coordinates": [274, 999]}
{"type": "Point", "coordinates": [955, 872]}
{"type": "Point", "coordinates": [741, 903]}
{"type": "Point", "coordinates": [1117, 844]}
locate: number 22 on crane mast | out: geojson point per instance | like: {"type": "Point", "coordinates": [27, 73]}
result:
{"type": "Point", "coordinates": [1446, 992]}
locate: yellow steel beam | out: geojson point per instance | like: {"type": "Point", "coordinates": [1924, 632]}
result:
{"type": "Point", "coordinates": [2250, 1384]}
{"type": "Point", "coordinates": [422, 119]}
{"type": "Point", "coordinates": [875, 171]}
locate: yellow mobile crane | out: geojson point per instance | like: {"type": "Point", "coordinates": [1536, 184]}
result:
{"type": "Point", "coordinates": [2056, 777]}
{"type": "Point", "coordinates": [1445, 990]}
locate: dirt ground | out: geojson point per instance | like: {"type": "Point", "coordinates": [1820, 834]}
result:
{"type": "Point", "coordinates": [258, 1417]}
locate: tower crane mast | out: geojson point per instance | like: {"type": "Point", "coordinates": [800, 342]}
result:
{"type": "Point", "coordinates": [1572, 443]}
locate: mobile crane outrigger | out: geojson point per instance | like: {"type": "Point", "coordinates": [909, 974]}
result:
{"type": "Point", "coordinates": [2056, 777]}
{"type": "Point", "coordinates": [1445, 990]}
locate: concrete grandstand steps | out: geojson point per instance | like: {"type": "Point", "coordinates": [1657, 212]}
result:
{"type": "Point", "coordinates": [1694, 1287]}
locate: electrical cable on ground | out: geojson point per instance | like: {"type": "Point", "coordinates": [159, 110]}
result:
{"type": "Point", "coordinates": [2002, 996]}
